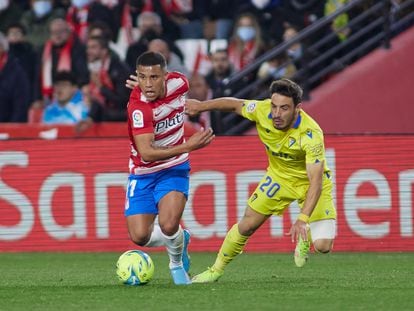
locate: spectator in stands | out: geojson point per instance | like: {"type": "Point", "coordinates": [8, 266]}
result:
{"type": "Point", "coordinates": [246, 42]}
{"type": "Point", "coordinates": [267, 14]}
{"type": "Point", "coordinates": [199, 90]}
{"type": "Point", "coordinates": [61, 52]}
{"type": "Point", "coordinates": [10, 12]}
{"type": "Point", "coordinates": [221, 14]}
{"type": "Point", "coordinates": [22, 50]}
{"type": "Point", "coordinates": [295, 51]}
{"type": "Point", "coordinates": [173, 61]}
{"type": "Point", "coordinates": [68, 105]}
{"type": "Point", "coordinates": [189, 16]}
{"type": "Point", "coordinates": [127, 12]}
{"type": "Point", "coordinates": [150, 28]}
{"type": "Point", "coordinates": [36, 21]}
{"type": "Point", "coordinates": [14, 86]}
{"type": "Point", "coordinates": [339, 23]}
{"type": "Point", "coordinates": [83, 12]}
{"type": "Point", "coordinates": [278, 67]}
{"type": "Point", "coordinates": [220, 70]}
{"type": "Point", "coordinates": [101, 29]}
{"type": "Point", "coordinates": [107, 76]}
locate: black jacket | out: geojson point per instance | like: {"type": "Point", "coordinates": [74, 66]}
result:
{"type": "Point", "coordinates": [14, 92]}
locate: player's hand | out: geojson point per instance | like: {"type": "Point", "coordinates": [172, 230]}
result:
{"type": "Point", "coordinates": [200, 139]}
{"type": "Point", "coordinates": [299, 228]}
{"type": "Point", "coordinates": [132, 82]}
{"type": "Point", "coordinates": [191, 107]}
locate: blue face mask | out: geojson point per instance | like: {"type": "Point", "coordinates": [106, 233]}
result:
{"type": "Point", "coordinates": [277, 72]}
{"type": "Point", "coordinates": [41, 8]}
{"type": "Point", "coordinates": [80, 3]}
{"type": "Point", "coordinates": [295, 54]}
{"type": "Point", "coordinates": [246, 33]}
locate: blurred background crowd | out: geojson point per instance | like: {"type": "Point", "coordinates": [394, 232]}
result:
{"type": "Point", "coordinates": [66, 61]}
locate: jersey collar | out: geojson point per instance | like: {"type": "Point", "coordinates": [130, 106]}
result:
{"type": "Point", "coordinates": [298, 120]}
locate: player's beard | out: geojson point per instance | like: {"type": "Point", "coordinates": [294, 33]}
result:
{"type": "Point", "coordinates": [287, 121]}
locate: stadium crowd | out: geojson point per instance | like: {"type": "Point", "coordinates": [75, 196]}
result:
{"type": "Point", "coordinates": [66, 61]}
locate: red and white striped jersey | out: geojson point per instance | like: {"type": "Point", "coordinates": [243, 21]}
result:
{"type": "Point", "coordinates": [163, 117]}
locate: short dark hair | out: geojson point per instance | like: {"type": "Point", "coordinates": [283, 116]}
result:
{"type": "Point", "coordinates": [151, 59]}
{"type": "Point", "coordinates": [102, 41]}
{"type": "Point", "coordinates": [106, 31]}
{"type": "Point", "coordinates": [287, 88]}
{"type": "Point", "coordinates": [17, 25]}
{"type": "Point", "coordinates": [64, 76]}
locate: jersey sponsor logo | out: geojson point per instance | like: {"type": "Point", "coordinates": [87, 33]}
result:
{"type": "Point", "coordinates": [251, 107]}
{"type": "Point", "coordinates": [166, 124]}
{"type": "Point", "coordinates": [283, 155]}
{"type": "Point", "coordinates": [292, 141]}
{"type": "Point", "coordinates": [137, 119]}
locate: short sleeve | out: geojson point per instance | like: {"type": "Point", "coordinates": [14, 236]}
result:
{"type": "Point", "coordinates": [250, 109]}
{"type": "Point", "coordinates": [312, 144]}
{"type": "Point", "coordinates": [140, 117]}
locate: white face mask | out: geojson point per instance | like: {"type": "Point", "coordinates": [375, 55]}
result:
{"type": "Point", "coordinates": [4, 4]}
{"type": "Point", "coordinates": [95, 66]}
{"type": "Point", "coordinates": [260, 4]}
{"type": "Point", "coordinates": [80, 3]}
{"type": "Point", "coordinates": [41, 8]}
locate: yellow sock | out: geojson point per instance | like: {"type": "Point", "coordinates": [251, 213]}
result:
{"type": "Point", "coordinates": [232, 246]}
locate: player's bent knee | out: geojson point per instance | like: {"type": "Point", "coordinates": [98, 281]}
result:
{"type": "Point", "coordinates": [140, 240]}
{"type": "Point", "coordinates": [323, 246]}
{"type": "Point", "coordinates": [169, 229]}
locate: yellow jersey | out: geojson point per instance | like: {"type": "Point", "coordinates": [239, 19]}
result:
{"type": "Point", "coordinates": [288, 150]}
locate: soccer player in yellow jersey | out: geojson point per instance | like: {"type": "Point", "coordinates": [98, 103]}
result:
{"type": "Point", "coordinates": [297, 171]}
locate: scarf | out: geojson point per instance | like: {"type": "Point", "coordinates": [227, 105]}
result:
{"type": "Point", "coordinates": [78, 20]}
{"type": "Point", "coordinates": [3, 60]}
{"type": "Point", "coordinates": [64, 64]}
{"type": "Point", "coordinates": [126, 22]}
{"type": "Point", "coordinates": [240, 58]}
{"type": "Point", "coordinates": [106, 82]}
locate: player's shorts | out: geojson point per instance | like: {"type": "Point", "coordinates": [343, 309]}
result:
{"type": "Point", "coordinates": [273, 196]}
{"type": "Point", "coordinates": [145, 191]}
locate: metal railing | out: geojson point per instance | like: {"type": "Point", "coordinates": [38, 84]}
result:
{"type": "Point", "coordinates": [323, 54]}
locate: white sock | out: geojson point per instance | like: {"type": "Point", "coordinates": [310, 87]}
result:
{"type": "Point", "coordinates": [157, 238]}
{"type": "Point", "coordinates": [175, 245]}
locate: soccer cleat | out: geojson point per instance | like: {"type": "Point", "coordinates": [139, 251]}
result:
{"type": "Point", "coordinates": [185, 257]}
{"type": "Point", "coordinates": [208, 276]}
{"type": "Point", "coordinates": [180, 277]}
{"type": "Point", "coordinates": [301, 252]}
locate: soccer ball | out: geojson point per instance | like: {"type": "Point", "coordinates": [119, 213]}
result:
{"type": "Point", "coordinates": [135, 267]}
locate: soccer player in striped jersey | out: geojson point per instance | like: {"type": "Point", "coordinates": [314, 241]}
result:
{"type": "Point", "coordinates": [297, 171]}
{"type": "Point", "coordinates": [159, 166]}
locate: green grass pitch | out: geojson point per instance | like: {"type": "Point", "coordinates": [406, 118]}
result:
{"type": "Point", "coordinates": [87, 281]}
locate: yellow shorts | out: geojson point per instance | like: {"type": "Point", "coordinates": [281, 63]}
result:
{"type": "Point", "coordinates": [273, 196]}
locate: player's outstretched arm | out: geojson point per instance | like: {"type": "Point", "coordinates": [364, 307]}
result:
{"type": "Point", "coordinates": [150, 152]}
{"type": "Point", "coordinates": [230, 104]}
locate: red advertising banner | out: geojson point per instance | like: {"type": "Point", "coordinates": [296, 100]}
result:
{"type": "Point", "coordinates": [68, 194]}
